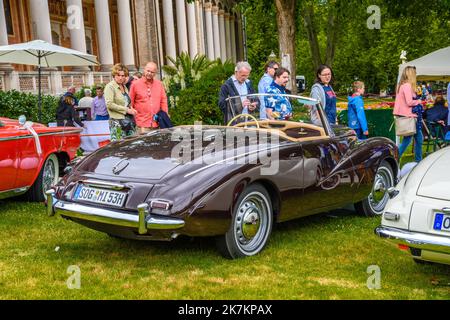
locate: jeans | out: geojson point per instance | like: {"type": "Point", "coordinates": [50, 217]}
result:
{"type": "Point", "coordinates": [418, 139]}
{"type": "Point", "coordinates": [99, 117]}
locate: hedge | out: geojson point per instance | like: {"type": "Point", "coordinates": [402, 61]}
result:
{"type": "Point", "coordinates": [14, 103]}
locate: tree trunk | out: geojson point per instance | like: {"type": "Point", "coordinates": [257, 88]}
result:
{"type": "Point", "coordinates": [308, 18]}
{"type": "Point", "coordinates": [332, 34]}
{"type": "Point", "coordinates": [286, 30]}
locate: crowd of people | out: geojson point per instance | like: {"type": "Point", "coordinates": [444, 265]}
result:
{"type": "Point", "coordinates": [137, 103]}
{"type": "Point", "coordinates": [132, 105]}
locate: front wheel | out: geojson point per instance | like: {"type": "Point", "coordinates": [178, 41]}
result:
{"type": "Point", "coordinates": [251, 224]}
{"type": "Point", "coordinates": [375, 203]}
{"type": "Point", "coordinates": [48, 177]}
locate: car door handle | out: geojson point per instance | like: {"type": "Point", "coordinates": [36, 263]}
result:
{"type": "Point", "coordinates": [446, 210]}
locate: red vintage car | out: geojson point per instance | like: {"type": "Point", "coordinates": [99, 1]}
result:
{"type": "Point", "coordinates": [32, 156]}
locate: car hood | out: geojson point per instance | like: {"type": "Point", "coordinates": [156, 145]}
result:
{"type": "Point", "coordinates": [153, 156]}
{"type": "Point", "coordinates": [435, 181]}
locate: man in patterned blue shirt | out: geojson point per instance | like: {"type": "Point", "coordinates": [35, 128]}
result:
{"type": "Point", "coordinates": [278, 106]}
{"type": "Point", "coordinates": [264, 83]}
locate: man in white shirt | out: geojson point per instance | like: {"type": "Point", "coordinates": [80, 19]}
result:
{"type": "Point", "coordinates": [238, 85]}
{"type": "Point", "coordinates": [85, 105]}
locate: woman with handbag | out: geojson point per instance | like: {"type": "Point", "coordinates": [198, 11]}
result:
{"type": "Point", "coordinates": [121, 115]}
{"type": "Point", "coordinates": [406, 123]}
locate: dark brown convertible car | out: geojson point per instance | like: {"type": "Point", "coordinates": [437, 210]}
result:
{"type": "Point", "coordinates": [233, 182]}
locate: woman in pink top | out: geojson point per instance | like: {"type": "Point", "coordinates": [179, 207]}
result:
{"type": "Point", "coordinates": [404, 102]}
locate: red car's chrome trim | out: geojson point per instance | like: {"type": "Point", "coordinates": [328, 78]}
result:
{"type": "Point", "coordinates": [12, 193]}
{"type": "Point", "coordinates": [40, 135]}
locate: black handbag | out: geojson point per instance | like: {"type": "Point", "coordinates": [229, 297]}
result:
{"type": "Point", "coordinates": [128, 123]}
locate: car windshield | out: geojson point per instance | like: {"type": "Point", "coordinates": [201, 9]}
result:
{"type": "Point", "coordinates": [277, 107]}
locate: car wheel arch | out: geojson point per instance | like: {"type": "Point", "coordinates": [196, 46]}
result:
{"type": "Point", "coordinates": [394, 166]}
{"type": "Point", "coordinates": [274, 194]}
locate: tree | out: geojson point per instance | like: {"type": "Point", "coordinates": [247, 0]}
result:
{"type": "Point", "coordinates": [286, 35]}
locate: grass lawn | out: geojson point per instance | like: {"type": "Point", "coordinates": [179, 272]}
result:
{"type": "Point", "coordinates": [321, 257]}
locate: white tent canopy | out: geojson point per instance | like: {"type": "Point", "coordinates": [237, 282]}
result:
{"type": "Point", "coordinates": [433, 66]}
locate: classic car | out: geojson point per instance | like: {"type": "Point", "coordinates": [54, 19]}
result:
{"type": "Point", "coordinates": [417, 217]}
{"type": "Point", "coordinates": [32, 156]}
{"type": "Point", "coordinates": [233, 181]}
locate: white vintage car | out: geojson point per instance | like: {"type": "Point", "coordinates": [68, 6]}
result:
{"type": "Point", "coordinates": [417, 217]}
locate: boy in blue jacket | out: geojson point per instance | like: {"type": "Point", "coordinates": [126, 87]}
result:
{"type": "Point", "coordinates": [356, 116]}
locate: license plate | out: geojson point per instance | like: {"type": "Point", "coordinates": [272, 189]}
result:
{"type": "Point", "coordinates": [441, 222]}
{"type": "Point", "coordinates": [109, 197]}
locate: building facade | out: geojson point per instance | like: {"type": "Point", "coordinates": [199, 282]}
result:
{"type": "Point", "coordinates": [132, 32]}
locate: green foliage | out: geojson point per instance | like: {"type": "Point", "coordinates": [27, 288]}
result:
{"type": "Point", "coordinates": [370, 55]}
{"type": "Point", "coordinates": [14, 103]}
{"type": "Point", "coordinates": [199, 102]}
{"type": "Point", "coordinates": [183, 72]}
{"type": "Point", "coordinates": [262, 33]}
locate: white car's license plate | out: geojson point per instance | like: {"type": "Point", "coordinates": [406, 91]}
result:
{"type": "Point", "coordinates": [441, 222]}
{"type": "Point", "coordinates": [109, 197]}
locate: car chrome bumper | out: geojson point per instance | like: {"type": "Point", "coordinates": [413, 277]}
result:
{"type": "Point", "coordinates": [415, 239]}
{"type": "Point", "coordinates": [144, 221]}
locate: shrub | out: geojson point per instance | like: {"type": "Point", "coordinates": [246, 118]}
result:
{"type": "Point", "coordinates": [14, 103]}
{"type": "Point", "coordinates": [183, 73]}
{"type": "Point", "coordinates": [199, 102]}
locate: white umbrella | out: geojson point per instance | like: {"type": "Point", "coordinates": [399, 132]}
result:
{"type": "Point", "coordinates": [43, 54]}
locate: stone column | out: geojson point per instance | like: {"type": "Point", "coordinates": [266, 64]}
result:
{"type": "Point", "coordinates": [201, 37]}
{"type": "Point", "coordinates": [192, 29]}
{"type": "Point", "coordinates": [75, 24]}
{"type": "Point", "coordinates": [126, 34]}
{"type": "Point", "coordinates": [169, 30]}
{"type": "Point", "coordinates": [40, 18]}
{"type": "Point", "coordinates": [233, 38]}
{"type": "Point", "coordinates": [223, 50]}
{"type": "Point", "coordinates": [228, 35]}
{"type": "Point", "coordinates": [240, 39]}
{"type": "Point", "coordinates": [147, 33]}
{"type": "Point", "coordinates": [4, 38]}
{"type": "Point", "coordinates": [216, 35]}
{"type": "Point", "coordinates": [181, 27]}
{"type": "Point", "coordinates": [209, 32]}
{"type": "Point", "coordinates": [159, 33]}
{"type": "Point", "coordinates": [104, 38]}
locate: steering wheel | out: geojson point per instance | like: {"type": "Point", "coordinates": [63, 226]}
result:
{"type": "Point", "coordinates": [246, 115]}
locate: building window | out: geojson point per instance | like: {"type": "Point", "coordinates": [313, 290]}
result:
{"type": "Point", "coordinates": [9, 24]}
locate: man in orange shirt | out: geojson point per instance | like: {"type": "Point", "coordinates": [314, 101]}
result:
{"type": "Point", "coordinates": [148, 97]}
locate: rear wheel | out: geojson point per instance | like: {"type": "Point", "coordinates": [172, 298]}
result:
{"type": "Point", "coordinates": [48, 177]}
{"type": "Point", "coordinates": [251, 224]}
{"type": "Point", "coordinates": [374, 204]}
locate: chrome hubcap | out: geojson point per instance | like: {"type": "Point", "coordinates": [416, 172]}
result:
{"type": "Point", "coordinates": [379, 190]}
{"type": "Point", "coordinates": [379, 195]}
{"type": "Point", "coordinates": [252, 221]}
{"type": "Point", "coordinates": [49, 175]}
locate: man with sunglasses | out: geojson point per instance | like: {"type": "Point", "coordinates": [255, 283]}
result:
{"type": "Point", "coordinates": [266, 80]}
{"type": "Point", "coordinates": [148, 97]}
